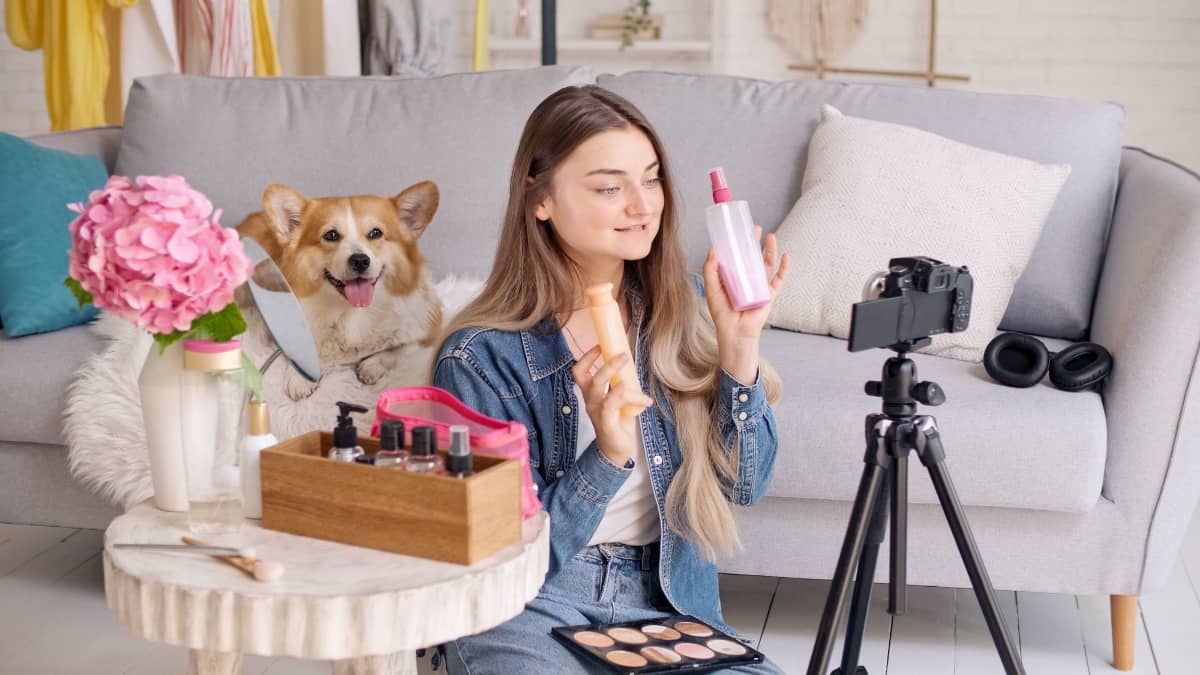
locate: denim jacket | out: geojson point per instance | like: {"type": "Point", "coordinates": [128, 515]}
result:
{"type": "Point", "coordinates": [525, 376]}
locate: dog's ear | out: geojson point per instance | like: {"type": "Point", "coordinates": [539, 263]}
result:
{"type": "Point", "coordinates": [267, 275]}
{"type": "Point", "coordinates": [283, 207]}
{"type": "Point", "coordinates": [416, 205]}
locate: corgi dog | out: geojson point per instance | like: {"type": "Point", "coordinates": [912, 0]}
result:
{"type": "Point", "coordinates": [354, 264]}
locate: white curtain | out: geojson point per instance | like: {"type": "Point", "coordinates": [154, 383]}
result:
{"type": "Point", "coordinates": [148, 44]}
{"type": "Point", "coordinates": [319, 37]}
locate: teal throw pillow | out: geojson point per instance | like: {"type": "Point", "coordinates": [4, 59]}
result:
{"type": "Point", "coordinates": [36, 184]}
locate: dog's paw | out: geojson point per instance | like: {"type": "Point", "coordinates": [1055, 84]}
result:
{"type": "Point", "coordinates": [297, 387]}
{"type": "Point", "coordinates": [372, 369]}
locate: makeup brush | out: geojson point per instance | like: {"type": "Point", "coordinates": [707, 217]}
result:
{"type": "Point", "coordinates": [261, 570]}
{"type": "Point", "coordinates": [244, 551]}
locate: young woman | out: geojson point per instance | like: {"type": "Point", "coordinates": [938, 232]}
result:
{"type": "Point", "coordinates": [639, 505]}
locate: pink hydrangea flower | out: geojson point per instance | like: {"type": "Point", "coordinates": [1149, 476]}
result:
{"type": "Point", "coordinates": [152, 251]}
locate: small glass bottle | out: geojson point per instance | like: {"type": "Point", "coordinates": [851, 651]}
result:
{"type": "Point", "coordinates": [345, 434]}
{"type": "Point", "coordinates": [423, 458]}
{"type": "Point", "coordinates": [391, 444]}
{"type": "Point", "coordinates": [458, 458]}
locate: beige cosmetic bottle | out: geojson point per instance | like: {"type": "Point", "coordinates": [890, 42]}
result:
{"type": "Point", "coordinates": [606, 318]}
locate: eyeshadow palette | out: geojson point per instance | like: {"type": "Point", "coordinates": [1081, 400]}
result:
{"type": "Point", "coordinates": [664, 645]}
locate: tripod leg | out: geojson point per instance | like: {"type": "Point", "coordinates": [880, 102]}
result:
{"type": "Point", "coordinates": [931, 456]}
{"type": "Point", "coordinates": [861, 601]}
{"type": "Point", "coordinates": [898, 581]}
{"type": "Point", "coordinates": [831, 617]}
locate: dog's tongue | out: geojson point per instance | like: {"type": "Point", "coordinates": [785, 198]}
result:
{"type": "Point", "coordinates": [358, 292]}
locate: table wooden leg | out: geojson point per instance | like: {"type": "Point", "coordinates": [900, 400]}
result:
{"type": "Point", "coordinates": [201, 662]}
{"type": "Point", "coordinates": [399, 663]}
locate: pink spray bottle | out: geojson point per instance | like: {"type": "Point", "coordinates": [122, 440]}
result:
{"type": "Point", "coordinates": [731, 231]}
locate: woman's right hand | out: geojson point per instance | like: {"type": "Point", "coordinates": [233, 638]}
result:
{"type": "Point", "coordinates": [616, 434]}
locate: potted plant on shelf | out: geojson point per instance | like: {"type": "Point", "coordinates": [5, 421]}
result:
{"type": "Point", "coordinates": [635, 23]}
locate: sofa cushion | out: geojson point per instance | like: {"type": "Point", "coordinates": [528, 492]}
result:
{"type": "Point", "coordinates": [37, 370]}
{"type": "Point", "coordinates": [874, 188]}
{"type": "Point", "coordinates": [1037, 448]}
{"type": "Point", "coordinates": [230, 137]}
{"type": "Point", "coordinates": [36, 185]}
{"type": "Point", "coordinates": [759, 132]}
{"type": "Point", "coordinates": [102, 142]}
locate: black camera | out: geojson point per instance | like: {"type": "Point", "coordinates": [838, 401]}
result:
{"type": "Point", "coordinates": [916, 298]}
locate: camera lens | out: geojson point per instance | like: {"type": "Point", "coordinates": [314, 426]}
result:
{"type": "Point", "coordinates": [874, 286]}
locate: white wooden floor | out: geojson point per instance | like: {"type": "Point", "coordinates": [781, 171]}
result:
{"type": "Point", "coordinates": [53, 621]}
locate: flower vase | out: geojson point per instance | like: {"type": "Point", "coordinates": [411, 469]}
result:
{"type": "Point", "coordinates": [159, 388]}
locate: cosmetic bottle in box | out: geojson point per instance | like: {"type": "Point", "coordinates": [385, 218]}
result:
{"type": "Point", "coordinates": [391, 445]}
{"type": "Point", "coordinates": [429, 515]}
{"type": "Point", "coordinates": [432, 406]}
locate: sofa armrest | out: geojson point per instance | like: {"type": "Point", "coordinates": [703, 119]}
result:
{"type": "Point", "coordinates": [102, 142]}
{"type": "Point", "coordinates": [1147, 314]}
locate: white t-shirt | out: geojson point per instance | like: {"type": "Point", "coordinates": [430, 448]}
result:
{"type": "Point", "coordinates": [631, 516]}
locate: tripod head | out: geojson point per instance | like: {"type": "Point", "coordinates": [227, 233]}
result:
{"type": "Point", "coordinates": [899, 387]}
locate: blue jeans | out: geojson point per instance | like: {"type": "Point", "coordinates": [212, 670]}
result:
{"type": "Point", "coordinates": [608, 583]}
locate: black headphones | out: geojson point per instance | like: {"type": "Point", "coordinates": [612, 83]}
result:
{"type": "Point", "coordinates": [1020, 360]}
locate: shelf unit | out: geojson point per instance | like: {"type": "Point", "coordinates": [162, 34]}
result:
{"type": "Point", "coordinates": [692, 46]}
{"type": "Point", "coordinates": [592, 45]}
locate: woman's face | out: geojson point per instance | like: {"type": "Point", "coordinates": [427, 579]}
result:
{"type": "Point", "coordinates": [606, 199]}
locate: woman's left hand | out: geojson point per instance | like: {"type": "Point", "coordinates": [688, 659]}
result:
{"type": "Point", "coordinates": [738, 332]}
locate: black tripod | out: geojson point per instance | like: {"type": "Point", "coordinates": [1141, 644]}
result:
{"type": "Point", "coordinates": [890, 437]}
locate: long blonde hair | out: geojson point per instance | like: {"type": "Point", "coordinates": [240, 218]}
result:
{"type": "Point", "coordinates": [682, 346]}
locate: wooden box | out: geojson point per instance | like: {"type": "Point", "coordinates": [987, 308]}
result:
{"type": "Point", "coordinates": [458, 520]}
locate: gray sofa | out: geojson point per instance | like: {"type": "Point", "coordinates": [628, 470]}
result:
{"type": "Point", "coordinates": [1067, 492]}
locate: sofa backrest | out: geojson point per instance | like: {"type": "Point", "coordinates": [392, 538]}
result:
{"type": "Point", "coordinates": [335, 136]}
{"type": "Point", "coordinates": [759, 131]}
{"type": "Point", "coordinates": [327, 136]}
{"type": "Point", "coordinates": [103, 142]}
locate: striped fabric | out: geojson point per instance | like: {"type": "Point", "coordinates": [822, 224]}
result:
{"type": "Point", "coordinates": [215, 37]}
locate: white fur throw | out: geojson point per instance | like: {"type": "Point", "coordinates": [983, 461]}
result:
{"type": "Point", "coordinates": [873, 191]}
{"type": "Point", "coordinates": [105, 438]}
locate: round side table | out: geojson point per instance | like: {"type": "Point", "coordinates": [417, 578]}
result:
{"type": "Point", "coordinates": [367, 611]}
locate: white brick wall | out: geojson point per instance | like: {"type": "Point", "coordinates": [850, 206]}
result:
{"type": "Point", "coordinates": [22, 94]}
{"type": "Point", "coordinates": [1144, 55]}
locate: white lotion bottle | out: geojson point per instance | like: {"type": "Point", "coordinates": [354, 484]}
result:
{"type": "Point", "coordinates": [258, 436]}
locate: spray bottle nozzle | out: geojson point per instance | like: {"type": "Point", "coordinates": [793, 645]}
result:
{"type": "Point", "coordinates": [720, 189]}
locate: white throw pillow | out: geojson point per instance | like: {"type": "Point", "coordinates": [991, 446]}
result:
{"type": "Point", "coordinates": [873, 191]}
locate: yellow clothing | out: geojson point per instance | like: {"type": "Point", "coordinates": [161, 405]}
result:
{"type": "Point", "coordinates": [71, 33]}
{"type": "Point", "coordinates": [266, 58]}
{"type": "Point", "coordinates": [479, 54]}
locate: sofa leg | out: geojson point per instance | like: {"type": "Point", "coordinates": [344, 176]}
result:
{"type": "Point", "coordinates": [1123, 610]}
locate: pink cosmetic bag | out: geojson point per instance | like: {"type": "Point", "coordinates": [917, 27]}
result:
{"type": "Point", "coordinates": [438, 408]}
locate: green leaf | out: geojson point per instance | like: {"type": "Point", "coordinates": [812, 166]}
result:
{"type": "Point", "coordinates": [76, 288]}
{"type": "Point", "coordinates": [219, 326]}
{"type": "Point", "coordinates": [164, 340]}
{"type": "Point", "coordinates": [248, 377]}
